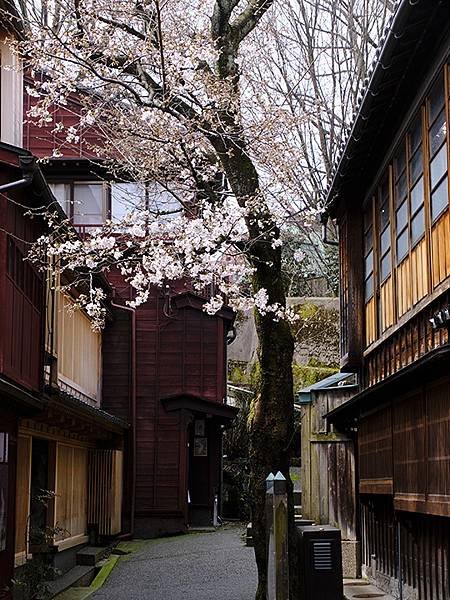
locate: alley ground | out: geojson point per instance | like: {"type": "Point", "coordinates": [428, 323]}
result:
{"type": "Point", "coordinates": [201, 566]}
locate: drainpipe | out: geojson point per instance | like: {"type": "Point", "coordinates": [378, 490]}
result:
{"type": "Point", "coordinates": [28, 165]}
{"type": "Point", "coordinates": [133, 412]}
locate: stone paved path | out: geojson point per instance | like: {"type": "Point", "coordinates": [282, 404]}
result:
{"type": "Point", "coordinates": [203, 566]}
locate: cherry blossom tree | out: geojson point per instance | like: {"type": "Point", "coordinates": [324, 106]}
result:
{"type": "Point", "coordinates": [203, 100]}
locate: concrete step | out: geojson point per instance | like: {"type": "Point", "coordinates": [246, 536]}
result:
{"type": "Point", "coordinates": [91, 555]}
{"type": "Point", "coordinates": [361, 588]}
{"type": "Point", "coordinates": [77, 576]}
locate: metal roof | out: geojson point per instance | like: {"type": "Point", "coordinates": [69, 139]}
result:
{"type": "Point", "coordinates": [304, 396]}
{"type": "Point", "coordinates": [415, 31]}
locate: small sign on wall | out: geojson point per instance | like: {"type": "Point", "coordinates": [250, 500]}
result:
{"type": "Point", "coordinates": [199, 427]}
{"type": "Point", "coordinates": [200, 446]}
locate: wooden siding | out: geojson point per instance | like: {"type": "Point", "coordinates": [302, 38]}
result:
{"type": "Point", "coordinates": [404, 450]}
{"type": "Point", "coordinates": [178, 351]}
{"type": "Point", "coordinates": [21, 296]}
{"type": "Point", "coordinates": [105, 490]}
{"type": "Point", "coordinates": [408, 343]}
{"type": "Point", "coordinates": [375, 453]}
{"type": "Point", "coordinates": [79, 350]}
{"type": "Point", "coordinates": [328, 465]}
{"type": "Point", "coordinates": [440, 249]}
{"type": "Point", "coordinates": [351, 293]}
{"type": "Point", "coordinates": [387, 306]}
{"type": "Point", "coordinates": [23, 493]}
{"type": "Point", "coordinates": [371, 321]}
{"type": "Point", "coordinates": [419, 272]}
{"type": "Point", "coordinates": [422, 543]}
{"type": "Point", "coordinates": [71, 491]}
{"type": "Point", "coordinates": [403, 278]}
{"type": "Point", "coordinates": [42, 141]}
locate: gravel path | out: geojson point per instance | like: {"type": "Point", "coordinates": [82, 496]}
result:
{"type": "Point", "coordinates": [203, 566]}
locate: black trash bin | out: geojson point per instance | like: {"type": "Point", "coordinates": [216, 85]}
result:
{"type": "Point", "coordinates": [320, 563]}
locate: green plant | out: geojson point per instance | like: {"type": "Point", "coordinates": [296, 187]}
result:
{"type": "Point", "coordinates": [31, 580]}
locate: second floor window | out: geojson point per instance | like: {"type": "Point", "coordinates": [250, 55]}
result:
{"type": "Point", "coordinates": [368, 253]}
{"type": "Point", "coordinates": [437, 137]}
{"type": "Point", "coordinates": [384, 228]}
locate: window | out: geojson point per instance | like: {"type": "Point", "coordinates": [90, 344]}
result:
{"type": "Point", "coordinates": [384, 228]}
{"type": "Point", "coordinates": [126, 197]}
{"type": "Point", "coordinates": [416, 189]}
{"type": "Point", "coordinates": [437, 142]}
{"type": "Point", "coordinates": [89, 204]}
{"type": "Point", "coordinates": [368, 253]}
{"type": "Point", "coordinates": [61, 191]}
{"type": "Point", "coordinates": [401, 205]}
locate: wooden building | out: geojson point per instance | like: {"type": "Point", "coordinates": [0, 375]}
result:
{"type": "Point", "coordinates": [164, 364]}
{"type": "Point", "coordinates": [328, 465]}
{"type": "Point", "coordinates": [390, 197]}
{"type": "Point", "coordinates": [55, 439]}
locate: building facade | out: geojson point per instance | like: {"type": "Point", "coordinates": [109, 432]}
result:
{"type": "Point", "coordinates": [164, 363]}
{"type": "Point", "coordinates": [390, 198]}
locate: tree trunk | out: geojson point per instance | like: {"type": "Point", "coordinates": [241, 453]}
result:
{"type": "Point", "coordinates": [272, 427]}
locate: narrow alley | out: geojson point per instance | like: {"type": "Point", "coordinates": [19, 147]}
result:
{"type": "Point", "coordinates": [202, 566]}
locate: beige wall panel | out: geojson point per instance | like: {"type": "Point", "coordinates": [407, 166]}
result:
{"type": "Point", "coordinates": [419, 272]}
{"type": "Point", "coordinates": [440, 249]}
{"type": "Point", "coordinates": [404, 295]}
{"type": "Point", "coordinates": [71, 491]}
{"type": "Point", "coordinates": [387, 304]}
{"type": "Point", "coordinates": [22, 491]}
{"type": "Point", "coordinates": [371, 328]}
{"type": "Point", "coordinates": [79, 350]}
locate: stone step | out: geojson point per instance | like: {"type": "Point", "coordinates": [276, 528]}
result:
{"type": "Point", "coordinates": [77, 576]}
{"type": "Point", "coordinates": [90, 555]}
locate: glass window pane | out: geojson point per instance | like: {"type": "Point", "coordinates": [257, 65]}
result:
{"type": "Point", "coordinates": [368, 264]}
{"type": "Point", "coordinates": [402, 216]}
{"type": "Point", "coordinates": [125, 197]}
{"type": "Point", "coordinates": [436, 99]}
{"type": "Point", "coordinates": [369, 287]}
{"type": "Point", "coordinates": [88, 204]}
{"type": "Point", "coordinates": [417, 196]}
{"type": "Point", "coordinates": [385, 268]}
{"type": "Point", "coordinates": [417, 226]}
{"type": "Point", "coordinates": [402, 246]}
{"type": "Point", "coordinates": [399, 161]}
{"type": "Point", "coordinates": [385, 239]}
{"type": "Point", "coordinates": [416, 165]}
{"type": "Point", "coordinates": [368, 216]}
{"type": "Point", "coordinates": [368, 241]}
{"type": "Point", "coordinates": [61, 191]}
{"type": "Point", "coordinates": [415, 133]}
{"type": "Point", "coordinates": [400, 190]}
{"type": "Point", "coordinates": [439, 199]}
{"type": "Point", "coordinates": [438, 165]}
{"type": "Point", "coordinates": [438, 133]}
{"type": "Point", "coordinates": [384, 215]}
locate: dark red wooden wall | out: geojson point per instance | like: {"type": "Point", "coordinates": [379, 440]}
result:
{"type": "Point", "coordinates": [178, 351]}
{"type": "Point", "coordinates": [21, 289]}
{"type": "Point", "coordinates": [42, 141]}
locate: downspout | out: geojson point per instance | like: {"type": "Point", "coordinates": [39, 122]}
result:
{"type": "Point", "coordinates": [133, 413]}
{"type": "Point", "coordinates": [28, 167]}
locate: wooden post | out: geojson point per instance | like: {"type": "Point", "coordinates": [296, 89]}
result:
{"type": "Point", "coordinates": [277, 544]}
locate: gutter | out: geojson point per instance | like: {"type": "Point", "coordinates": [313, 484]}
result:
{"type": "Point", "coordinates": [28, 167]}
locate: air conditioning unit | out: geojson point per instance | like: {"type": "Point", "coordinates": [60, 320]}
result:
{"type": "Point", "coordinates": [320, 563]}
